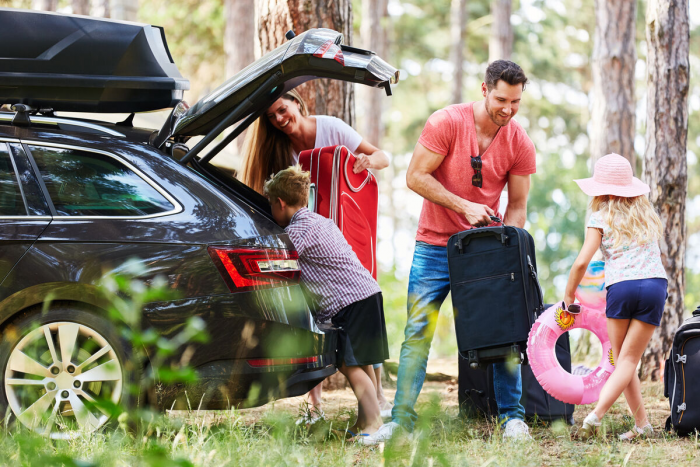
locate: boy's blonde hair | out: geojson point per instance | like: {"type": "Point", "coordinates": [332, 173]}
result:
{"type": "Point", "coordinates": [291, 185]}
{"type": "Point", "coordinates": [629, 218]}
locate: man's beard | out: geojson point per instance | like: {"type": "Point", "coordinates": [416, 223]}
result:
{"type": "Point", "coordinates": [494, 117]}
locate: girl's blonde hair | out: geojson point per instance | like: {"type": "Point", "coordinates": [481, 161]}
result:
{"type": "Point", "coordinates": [266, 149]}
{"type": "Point", "coordinates": [629, 218]}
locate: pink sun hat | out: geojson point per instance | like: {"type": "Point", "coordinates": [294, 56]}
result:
{"type": "Point", "coordinates": [612, 175]}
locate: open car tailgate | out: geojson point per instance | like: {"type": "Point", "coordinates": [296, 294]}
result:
{"type": "Point", "coordinates": [317, 53]}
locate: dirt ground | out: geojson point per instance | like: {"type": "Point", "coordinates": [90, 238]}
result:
{"type": "Point", "coordinates": [342, 400]}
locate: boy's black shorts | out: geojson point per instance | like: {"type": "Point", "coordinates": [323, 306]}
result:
{"type": "Point", "coordinates": [362, 332]}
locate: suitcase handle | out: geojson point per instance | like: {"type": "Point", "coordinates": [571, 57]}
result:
{"type": "Point", "coordinates": [499, 233]}
{"type": "Point", "coordinates": [461, 245]}
{"type": "Point", "coordinates": [347, 179]}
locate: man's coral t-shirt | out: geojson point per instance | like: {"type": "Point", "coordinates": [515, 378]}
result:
{"type": "Point", "coordinates": [451, 132]}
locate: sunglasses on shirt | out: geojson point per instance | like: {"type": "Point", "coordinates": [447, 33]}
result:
{"type": "Point", "coordinates": [573, 309]}
{"type": "Point", "coordinates": [476, 165]}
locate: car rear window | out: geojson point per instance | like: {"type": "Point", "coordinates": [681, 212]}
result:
{"type": "Point", "coordinates": [11, 203]}
{"type": "Point", "coordinates": [83, 183]}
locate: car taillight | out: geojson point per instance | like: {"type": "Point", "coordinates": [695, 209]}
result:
{"type": "Point", "coordinates": [251, 269]}
{"type": "Point", "coordinates": [265, 362]}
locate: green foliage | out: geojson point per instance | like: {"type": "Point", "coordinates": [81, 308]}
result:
{"type": "Point", "coordinates": [127, 295]}
{"type": "Point", "coordinates": [194, 31]}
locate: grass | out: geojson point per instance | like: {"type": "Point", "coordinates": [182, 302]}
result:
{"type": "Point", "coordinates": [269, 436]}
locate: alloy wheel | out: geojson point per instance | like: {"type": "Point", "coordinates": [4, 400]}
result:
{"type": "Point", "coordinates": [56, 375]}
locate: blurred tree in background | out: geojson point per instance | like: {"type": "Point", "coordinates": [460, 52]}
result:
{"type": "Point", "coordinates": [613, 63]}
{"type": "Point", "coordinates": [501, 40]}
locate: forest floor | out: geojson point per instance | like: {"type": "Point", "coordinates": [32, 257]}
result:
{"type": "Point", "coordinates": [443, 438]}
{"type": "Point", "coordinates": [268, 436]}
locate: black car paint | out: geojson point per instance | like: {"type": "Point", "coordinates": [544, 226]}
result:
{"type": "Point", "coordinates": [65, 258]}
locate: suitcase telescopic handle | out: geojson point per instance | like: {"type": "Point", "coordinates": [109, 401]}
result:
{"type": "Point", "coordinates": [311, 204]}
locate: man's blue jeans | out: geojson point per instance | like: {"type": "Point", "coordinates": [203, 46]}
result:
{"type": "Point", "coordinates": [428, 285]}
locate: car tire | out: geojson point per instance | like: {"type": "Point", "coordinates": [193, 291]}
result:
{"type": "Point", "coordinates": [54, 398]}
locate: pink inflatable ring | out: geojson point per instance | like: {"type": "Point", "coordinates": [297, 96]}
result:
{"type": "Point", "coordinates": [553, 323]}
{"type": "Point", "coordinates": [558, 382]}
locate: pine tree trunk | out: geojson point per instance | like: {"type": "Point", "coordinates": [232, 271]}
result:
{"type": "Point", "coordinates": [239, 35]}
{"type": "Point", "coordinates": [80, 7]}
{"type": "Point", "coordinates": [276, 17]}
{"type": "Point", "coordinates": [501, 40]}
{"type": "Point", "coordinates": [373, 37]}
{"type": "Point", "coordinates": [614, 59]}
{"type": "Point", "coordinates": [458, 31]}
{"type": "Point", "coordinates": [665, 163]}
{"type": "Point", "coordinates": [239, 40]}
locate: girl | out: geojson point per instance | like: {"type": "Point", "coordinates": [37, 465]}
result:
{"type": "Point", "coordinates": [624, 225]}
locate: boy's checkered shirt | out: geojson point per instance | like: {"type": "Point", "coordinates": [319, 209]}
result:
{"type": "Point", "coordinates": [330, 270]}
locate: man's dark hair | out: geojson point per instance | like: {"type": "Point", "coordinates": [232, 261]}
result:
{"type": "Point", "coordinates": [505, 70]}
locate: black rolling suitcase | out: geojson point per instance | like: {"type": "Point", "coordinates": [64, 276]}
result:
{"type": "Point", "coordinates": [476, 395]}
{"type": "Point", "coordinates": [495, 292]}
{"type": "Point", "coordinates": [682, 377]}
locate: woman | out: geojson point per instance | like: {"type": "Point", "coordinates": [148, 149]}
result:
{"type": "Point", "coordinates": [275, 140]}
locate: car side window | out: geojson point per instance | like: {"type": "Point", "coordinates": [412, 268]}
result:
{"type": "Point", "coordinates": [84, 183]}
{"type": "Point", "coordinates": [11, 202]}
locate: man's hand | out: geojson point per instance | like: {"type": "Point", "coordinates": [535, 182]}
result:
{"type": "Point", "coordinates": [362, 162]}
{"type": "Point", "coordinates": [477, 214]}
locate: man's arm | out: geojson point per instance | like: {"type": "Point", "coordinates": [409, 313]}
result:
{"type": "Point", "coordinates": [420, 179]}
{"type": "Point", "coordinates": [518, 189]}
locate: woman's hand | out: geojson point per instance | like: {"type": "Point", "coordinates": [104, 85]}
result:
{"type": "Point", "coordinates": [362, 162]}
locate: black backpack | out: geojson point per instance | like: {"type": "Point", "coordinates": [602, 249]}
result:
{"type": "Point", "coordinates": [682, 377]}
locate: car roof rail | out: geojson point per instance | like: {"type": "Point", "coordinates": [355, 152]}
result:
{"type": "Point", "coordinates": [22, 117]}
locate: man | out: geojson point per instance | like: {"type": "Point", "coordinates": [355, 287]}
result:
{"type": "Point", "coordinates": [461, 164]}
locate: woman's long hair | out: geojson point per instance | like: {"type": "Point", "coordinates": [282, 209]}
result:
{"type": "Point", "coordinates": [266, 149]}
{"type": "Point", "coordinates": [629, 218]}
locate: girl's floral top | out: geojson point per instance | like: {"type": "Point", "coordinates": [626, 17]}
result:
{"type": "Point", "coordinates": [628, 261]}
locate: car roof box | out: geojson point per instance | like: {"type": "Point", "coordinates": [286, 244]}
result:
{"type": "Point", "coordinates": [82, 64]}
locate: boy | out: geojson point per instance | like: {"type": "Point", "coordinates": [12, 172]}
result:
{"type": "Point", "coordinates": [343, 290]}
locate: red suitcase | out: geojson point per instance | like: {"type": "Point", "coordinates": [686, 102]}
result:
{"type": "Point", "coordinates": [349, 199]}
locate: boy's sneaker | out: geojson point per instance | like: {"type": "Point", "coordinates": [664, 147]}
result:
{"type": "Point", "coordinates": [516, 429]}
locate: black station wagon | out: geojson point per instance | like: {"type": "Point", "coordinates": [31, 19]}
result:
{"type": "Point", "coordinates": [79, 197]}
